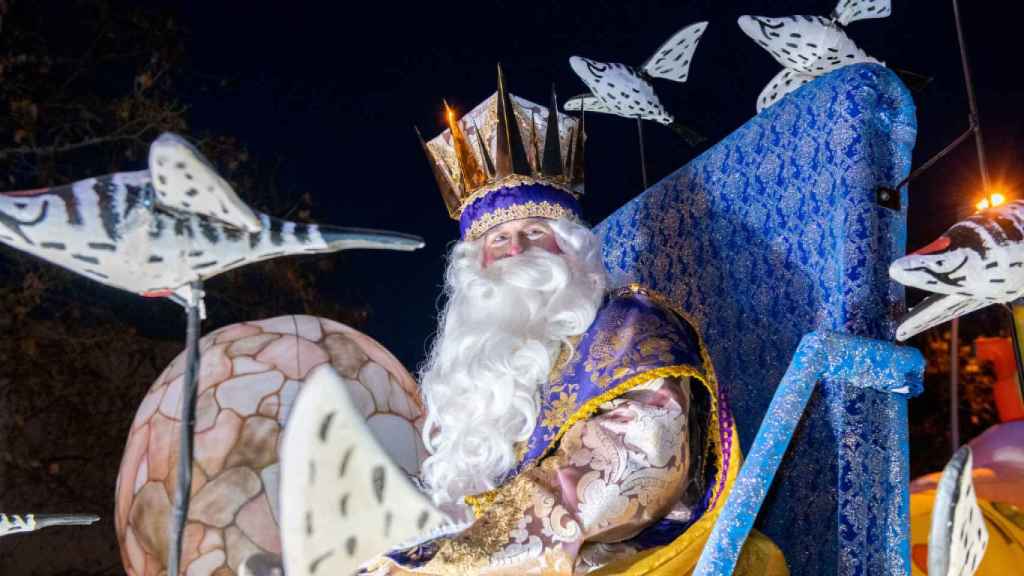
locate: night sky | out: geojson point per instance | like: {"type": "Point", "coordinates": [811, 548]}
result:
{"type": "Point", "coordinates": [334, 91]}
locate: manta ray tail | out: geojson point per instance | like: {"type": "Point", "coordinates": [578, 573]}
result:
{"type": "Point", "coordinates": [914, 81]}
{"type": "Point", "coordinates": [350, 238]}
{"type": "Point", "coordinates": [692, 137]}
{"type": "Point", "coordinates": [46, 520]}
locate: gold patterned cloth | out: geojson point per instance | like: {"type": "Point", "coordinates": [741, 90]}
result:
{"type": "Point", "coordinates": [632, 457]}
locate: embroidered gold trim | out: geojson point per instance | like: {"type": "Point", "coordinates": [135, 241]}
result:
{"type": "Point", "coordinates": [511, 181]}
{"type": "Point", "coordinates": [517, 212]}
{"type": "Point", "coordinates": [664, 301]}
{"type": "Point", "coordinates": [471, 550]}
{"type": "Point", "coordinates": [481, 501]}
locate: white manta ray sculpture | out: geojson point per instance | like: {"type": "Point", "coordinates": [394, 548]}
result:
{"type": "Point", "coordinates": [17, 524]}
{"type": "Point", "coordinates": [627, 91]}
{"type": "Point", "coordinates": [958, 537]}
{"type": "Point", "coordinates": [153, 232]}
{"type": "Point", "coordinates": [809, 46]}
{"type": "Point", "coordinates": [977, 262]}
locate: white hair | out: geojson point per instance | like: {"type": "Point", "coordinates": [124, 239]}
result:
{"type": "Point", "coordinates": [500, 332]}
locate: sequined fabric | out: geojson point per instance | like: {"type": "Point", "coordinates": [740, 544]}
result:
{"type": "Point", "coordinates": [770, 234]}
{"type": "Point", "coordinates": [853, 360]}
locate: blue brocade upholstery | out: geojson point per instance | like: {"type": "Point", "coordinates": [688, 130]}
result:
{"type": "Point", "coordinates": [770, 234]}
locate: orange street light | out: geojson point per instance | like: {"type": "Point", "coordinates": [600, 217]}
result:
{"type": "Point", "coordinates": [991, 200]}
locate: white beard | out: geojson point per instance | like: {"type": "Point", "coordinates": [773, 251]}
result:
{"type": "Point", "coordinates": [501, 332]}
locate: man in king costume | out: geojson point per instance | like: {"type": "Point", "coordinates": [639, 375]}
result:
{"type": "Point", "coordinates": [576, 431]}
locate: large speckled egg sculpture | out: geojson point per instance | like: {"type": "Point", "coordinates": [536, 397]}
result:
{"type": "Point", "coordinates": [249, 376]}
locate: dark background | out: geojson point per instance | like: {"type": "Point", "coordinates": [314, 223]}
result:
{"type": "Point", "coordinates": [336, 92]}
{"type": "Point", "coordinates": [327, 95]}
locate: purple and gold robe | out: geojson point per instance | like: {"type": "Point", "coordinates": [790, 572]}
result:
{"type": "Point", "coordinates": [632, 456]}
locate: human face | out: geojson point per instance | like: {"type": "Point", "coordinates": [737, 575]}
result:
{"type": "Point", "coordinates": [517, 236]}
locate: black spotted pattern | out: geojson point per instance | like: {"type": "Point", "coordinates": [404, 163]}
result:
{"type": "Point", "coordinates": [325, 426]}
{"type": "Point", "coordinates": [343, 467]}
{"type": "Point", "coordinates": [378, 477]}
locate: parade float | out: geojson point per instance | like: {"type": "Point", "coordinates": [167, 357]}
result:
{"type": "Point", "coordinates": [781, 243]}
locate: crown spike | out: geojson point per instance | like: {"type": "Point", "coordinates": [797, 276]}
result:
{"type": "Point", "coordinates": [567, 161]}
{"type": "Point", "coordinates": [510, 155]}
{"type": "Point", "coordinates": [533, 140]}
{"type": "Point", "coordinates": [488, 163]}
{"type": "Point", "coordinates": [552, 163]}
{"type": "Point", "coordinates": [472, 176]}
{"type": "Point", "coordinates": [575, 176]}
{"type": "Point", "coordinates": [451, 199]}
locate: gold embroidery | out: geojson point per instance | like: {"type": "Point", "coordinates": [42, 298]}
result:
{"type": "Point", "coordinates": [602, 355]}
{"type": "Point", "coordinates": [511, 181]}
{"type": "Point", "coordinates": [522, 447]}
{"type": "Point", "coordinates": [591, 406]}
{"type": "Point", "coordinates": [560, 410]}
{"type": "Point", "coordinates": [602, 358]}
{"type": "Point", "coordinates": [472, 549]}
{"type": "Point", "coordinates": [480, 502]}
{"type": "Point", "coordinates": [543, 209]}
{"type": "Point", "coordinates": [566, 353]}
{"type": "Point", "coordinates": [714, 440]}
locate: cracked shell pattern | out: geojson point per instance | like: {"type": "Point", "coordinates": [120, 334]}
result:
{"type": "Point", "coordinates": [249, 376]}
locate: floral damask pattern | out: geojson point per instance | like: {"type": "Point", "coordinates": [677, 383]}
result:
{"type": "Point", "coordinates": [611, 476]}
{"type": "Point", "coordinates": [771, 233]}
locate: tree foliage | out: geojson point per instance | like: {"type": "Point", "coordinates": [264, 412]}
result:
{"type": "Point", "coordinates": [87, 85]}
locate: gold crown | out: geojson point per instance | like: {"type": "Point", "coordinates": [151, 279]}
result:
{"type": "Point", "coordinates": [486, 151]}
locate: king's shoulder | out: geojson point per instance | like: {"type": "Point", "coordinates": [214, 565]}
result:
{"type": "Point", "coordinates": [639, 302]}
{"type": "Point", "coordinates": [644, 300]}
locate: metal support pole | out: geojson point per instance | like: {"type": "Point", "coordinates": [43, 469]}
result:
{"type": "Point", "coordinates": [643, 156]}
{"type": "Point", "coordinates": [954, 384]}
{"type": "Point", "coordinates": [183, 490]}
{"type": "Point", "coordinates": [1015, 335]}
{"type": "Point", "coordinates": [972, 103]}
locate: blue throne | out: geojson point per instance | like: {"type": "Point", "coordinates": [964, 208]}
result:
{"type": "Point", "coordinates": [775, 232]}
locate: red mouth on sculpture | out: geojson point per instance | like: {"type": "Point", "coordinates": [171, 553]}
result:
{"type": "Point", "coordinates": [939, 245]}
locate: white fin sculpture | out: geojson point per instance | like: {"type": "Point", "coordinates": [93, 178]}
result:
{"type": "Point", "coordinates": [977, 262]}
{"type": "Point", "coordinates": [628, 91]}
{"type": "Point", "coordinates": [586, 103]}
{"type": "Point", "coordinates": [809, 46]}
{"type": "Point", "coordinates": [20, 523]}
{"type": "Point", "coordinates": [345, 494]}
{"type": "Point", "coordinates": [156, 231]}
{"type": "Point", "coordinates": [958, 536]}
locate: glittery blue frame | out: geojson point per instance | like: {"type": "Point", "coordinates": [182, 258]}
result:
{"type": "Point", "coordinates": [855, 361]}
{"type": "Point", "coordinates": [770, 234]}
